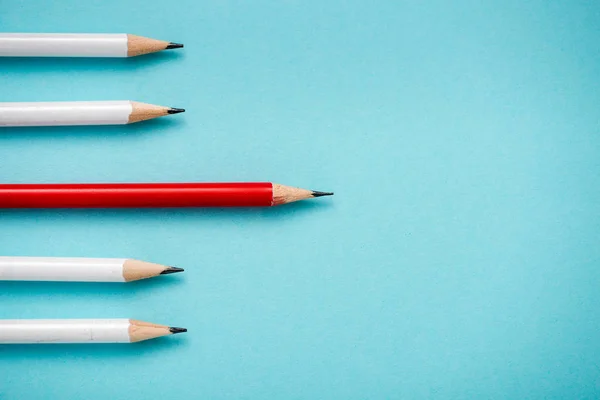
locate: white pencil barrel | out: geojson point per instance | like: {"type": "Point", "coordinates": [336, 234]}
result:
{"type": "Point", "coordinates": [61, 269]}
{"type": "Point", "coordinates": [62, 45]}
{"type": "Point", "coordinates": [64, 331]}
{"type": "Point", "coordinates": [65, 113]}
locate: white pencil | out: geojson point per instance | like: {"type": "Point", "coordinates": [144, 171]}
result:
{"type": "Point", "coordinates": [32, 331]}
{"type": "Point", "coordinates": [79, 269]}
{"type": "Point", "coordinates": [80, 113]}
{"type": "Point", "coordinates": [79, 45]}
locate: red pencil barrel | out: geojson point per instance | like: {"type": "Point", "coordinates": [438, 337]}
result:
{"type": "Point", "coordinates": [136, 195]}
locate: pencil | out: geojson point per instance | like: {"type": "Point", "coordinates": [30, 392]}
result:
{"type": "Point", "coordinates": [80, 269]}
{"type": "Point", "coordinates": [118, 112]}
{"type": "Point", "coordinates": [79, 45]}
{"type": "Point", "coordinates": [139, 195]}
{"type": "Point", "coordinates": [122, 330]}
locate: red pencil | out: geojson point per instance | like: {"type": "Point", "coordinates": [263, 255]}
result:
{"type": "Point", "coordinates": [137, 195]}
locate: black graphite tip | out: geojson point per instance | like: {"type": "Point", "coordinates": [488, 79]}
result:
{"type": "Point", "coordinates": [316, 193]}
{"type": "Point", "coordinates": [175, 330]}
{"type": "Point", "coordinates": [171, 270]}
{"type": "Point", "coordinates": [174, 46]}
{"type": "Point", "coordinates": [173, 110]}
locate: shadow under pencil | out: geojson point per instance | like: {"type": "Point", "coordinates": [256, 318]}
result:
{"type": "Point", "coordinates": [26, 65]}
{"type": "Point", "coordinates": [95, 350]}
{"type": "Point", "coordinates": [154, 126]}
{"type": "Point", "coordinates": [168, 215]}
{"type": "Point", "coordinates": [90, 289]}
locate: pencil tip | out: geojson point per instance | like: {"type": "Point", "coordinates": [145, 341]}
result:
{"type": "Point", "coordinates": [173, 110]}
{"type": "Point", "coordinates": [171, 270]}
{"type": "Point", "coordinates": [175, 330]}
{"type": "Point", "coordinates": [174, 46]}
{"type": "Point", "coordinates": [316, 193]}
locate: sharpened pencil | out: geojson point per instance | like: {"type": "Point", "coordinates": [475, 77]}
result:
{"type": "Point", "coordinates": [122, 330]}
{"type": "Point", "coordinates": [79, 45]}
{"type": "Point", "coordinates": [154, 195]}
{"type": "Point", "coordinates": [118, 112]}
{"type": "Point", "coordinates": [80, 269]}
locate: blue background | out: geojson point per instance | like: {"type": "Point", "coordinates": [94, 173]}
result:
{"type": "Point", "coordinates": [459, 257]}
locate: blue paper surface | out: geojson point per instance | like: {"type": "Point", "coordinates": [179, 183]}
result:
{"type": "Point", "coordinates": [459, 257]}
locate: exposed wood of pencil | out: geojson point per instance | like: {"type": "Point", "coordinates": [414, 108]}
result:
{"type": "Point", "coordinates": [286, 194]}
{"type": "Point", "coordinates": [138, 45]}
{"type": "Point", "coordinates": [143, 112]}
{"type": "Point", "coordinates": [140, 330]}
{"type": "Point", "coordinates": [134, 270]}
